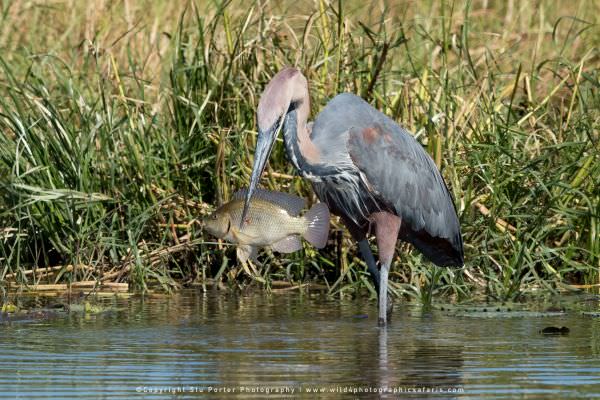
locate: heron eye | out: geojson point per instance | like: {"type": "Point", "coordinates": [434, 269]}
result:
{"type": "Point", "coordinates": [214, 216]}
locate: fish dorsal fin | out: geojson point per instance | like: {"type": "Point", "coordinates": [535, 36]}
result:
{"type": "Point", "coordinates": [289, 202]}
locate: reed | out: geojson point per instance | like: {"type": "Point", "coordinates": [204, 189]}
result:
{"type": "Point", "coordinates": [121, 124]}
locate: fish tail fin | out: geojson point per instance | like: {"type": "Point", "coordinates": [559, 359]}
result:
{"type": "Point", "coordinates": [318, 225]}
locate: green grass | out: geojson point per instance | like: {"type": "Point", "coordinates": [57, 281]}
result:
{"type": "Point", "coordinates": [122, 124]}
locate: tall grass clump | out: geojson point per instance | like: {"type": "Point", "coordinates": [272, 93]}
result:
{"type": "Point", "coordinates": [118, 134]}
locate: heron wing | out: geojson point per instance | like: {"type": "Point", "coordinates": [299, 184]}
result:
{"type": "Point", "coordinates": [404, 176]}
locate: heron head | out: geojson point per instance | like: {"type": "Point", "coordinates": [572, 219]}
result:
{"type": "Point", "coordinates": [287, 87]}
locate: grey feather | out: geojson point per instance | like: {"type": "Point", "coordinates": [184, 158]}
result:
{"type": "Point", "coordinates": [394, 168]}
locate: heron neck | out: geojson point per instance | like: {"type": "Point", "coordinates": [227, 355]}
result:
{"type": "Point", "coordinates": [308, 150]}
{"type": "Point", "coordinates": [299, 147]}
{"type": "Point", "coordinates": [313, 169]}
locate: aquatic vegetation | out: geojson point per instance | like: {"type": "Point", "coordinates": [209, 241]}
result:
{"type": "Point", "coordinates": [8, 308]}
{"type": "Point", "coordinates": [118, 136]}
{"type": "Point", "coordinates": [88, 308]}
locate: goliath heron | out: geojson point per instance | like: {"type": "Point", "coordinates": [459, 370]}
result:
{"type": "Point", "coordinates": [369, 171]}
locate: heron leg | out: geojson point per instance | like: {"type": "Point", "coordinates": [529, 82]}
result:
{"type": "Point", "coordinates": [383, 293]}
{"type": "Point", "coordinates": [367, 255]}
{"type": "Point", "coordinates": [387, 227]}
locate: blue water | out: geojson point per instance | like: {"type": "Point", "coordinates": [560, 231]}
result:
{"type": "Point", "coordinates": [287, 346]}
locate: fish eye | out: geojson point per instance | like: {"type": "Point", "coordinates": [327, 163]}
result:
{"type": "Point", "coordinates": [214, 216]}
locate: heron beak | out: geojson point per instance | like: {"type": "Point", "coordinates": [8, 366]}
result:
{"type": "Point", "coordinates": [264, 145]}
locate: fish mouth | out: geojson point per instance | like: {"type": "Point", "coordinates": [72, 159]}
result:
{"type": "Point", "coordinates": [264, 145]}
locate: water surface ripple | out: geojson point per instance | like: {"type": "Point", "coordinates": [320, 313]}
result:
{"type": "Point", "coordinates": [286, 346]}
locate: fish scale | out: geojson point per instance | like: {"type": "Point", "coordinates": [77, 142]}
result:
{"type": "Point", "coordinates": [266, 222]}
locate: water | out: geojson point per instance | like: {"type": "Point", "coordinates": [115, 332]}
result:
{"type": "Point", "coordinates": [268, 346]}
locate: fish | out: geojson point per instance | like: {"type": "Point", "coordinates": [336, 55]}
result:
{"type": "Point", "coordinates": [273, 220]}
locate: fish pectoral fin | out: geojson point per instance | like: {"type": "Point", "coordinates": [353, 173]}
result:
{"type": "Point", "coordinates": [289, 244]}
{"type": "Point", "coordinates": [246, 252]}
{"type": "Point", "coordinates": [243, 237]}
{"type": "Point", "coordinates": [234, 235]}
